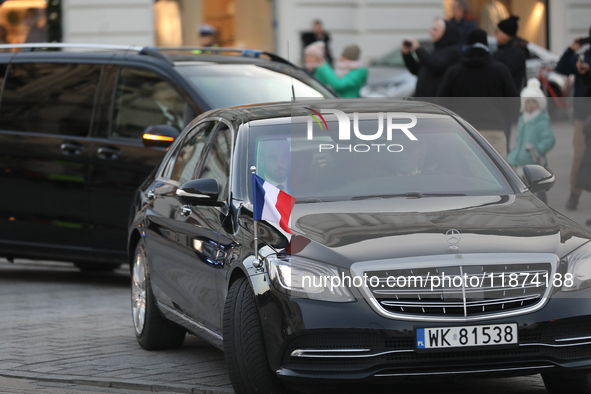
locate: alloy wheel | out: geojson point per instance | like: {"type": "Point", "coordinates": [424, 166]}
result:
{"type": "Point", "coordinates": [138, 293]}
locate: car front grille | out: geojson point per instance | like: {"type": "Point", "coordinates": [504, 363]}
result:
{"type": "Point", "coordinates": [470, 291]}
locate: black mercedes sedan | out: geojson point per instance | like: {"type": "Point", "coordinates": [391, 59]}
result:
{"type": "Point", "coordinates": [411, 251]}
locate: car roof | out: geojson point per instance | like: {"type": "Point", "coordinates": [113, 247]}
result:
{"type": "Point", "coordinates": [258, 112]}
{"type": "Point", "coordinates": [173, 56]}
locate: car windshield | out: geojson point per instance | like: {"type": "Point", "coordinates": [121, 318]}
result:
{"type": "Point", "coordinates": [444, 160]}
{"type": "Point", "coordinates": [227, 85]}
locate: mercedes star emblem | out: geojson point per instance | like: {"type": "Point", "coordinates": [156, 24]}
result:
{"type": "Point", "coordinates": [453, 236]}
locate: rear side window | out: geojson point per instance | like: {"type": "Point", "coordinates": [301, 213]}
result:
{"type": "Point", "coordinates": [49, 98]}
{"type": "Point", "coordinates": [144, 99]}
{"type": "Point", "coordinates": [190, 152]}
{"type": "Point", "coordinates": [217, 163]}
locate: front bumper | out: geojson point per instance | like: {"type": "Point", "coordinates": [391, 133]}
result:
{"type": "Point", "coordinates": [556, 337]}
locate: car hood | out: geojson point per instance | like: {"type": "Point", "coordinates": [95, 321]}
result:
{"type": "Point", "coordinates": [384, 75]}
{"type": "Point", "coordinates": [342, 233]}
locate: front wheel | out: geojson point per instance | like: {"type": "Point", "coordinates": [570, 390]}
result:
{"type": "Point", "coordinates": [573, 383]}
{"type": "Point", "coordinates": [152, 330]}
{"type": "Point", "coordinates": [244, 347]}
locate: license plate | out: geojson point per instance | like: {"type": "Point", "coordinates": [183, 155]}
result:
{"type": "Point", "coordinates": [466, 336]}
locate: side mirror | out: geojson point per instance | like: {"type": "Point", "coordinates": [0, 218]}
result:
{"type": "Point", "coordinates": [537, 178]}
{"type": "Point", "coordinates": [160, 136]}
{"type": "Point", "coordinates": [199, 192]}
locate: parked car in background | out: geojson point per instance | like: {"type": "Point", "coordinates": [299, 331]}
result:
{"type": "Point", "coordinates": [516, 301]}
{"type": "Point", "coordinates": [389, 77]}
{"type": "Point", "coordinates": [80, 131]}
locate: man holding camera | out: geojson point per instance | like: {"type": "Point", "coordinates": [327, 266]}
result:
{"type": "Point", "coordinates": [567, 65]}
{"type": "Point", "coordinates": [430, 67]}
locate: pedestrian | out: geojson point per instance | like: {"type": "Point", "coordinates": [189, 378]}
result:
{"type": "Point", "coordinates": [567, 65]}
{"type": "Point", "coordinates": [584, 173]}
{"type": "Point", "coordinates": [489, 87]}
{"type": "Point", "coordinates": [462, 19]}
{"type": "Point", "coordinates": [318, 34]}
{"type": "Point", "coordinates": [349, 75]}
{"type": "Point", "coordinates": [431, 67]}
{"type": "Point", "coordinates": [512, 52]}
{"type": "Point", "coordinates": [36, 33]}
{"type": "Point", "coordinates": [534, 133]}
{"type": "Point", "coordinates": [208, 36]}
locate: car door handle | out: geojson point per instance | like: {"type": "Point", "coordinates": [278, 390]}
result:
{"type": "Point", "coordinates": [71, 148]}
{"type": "Point", "coordinates": [108, 153]}
{"type": "Point", "coordinates": [186, 210]}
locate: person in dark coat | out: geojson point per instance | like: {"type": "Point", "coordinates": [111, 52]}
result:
{"type": "Point", "coordinates": [584, 173]}
{"type": "Point", "coordinates": [567, 65]}
{"type": "Point", "coordinates": [489, 86]}
{"type": "Point", "coordinates": [512, 50]}
{"type": "Point", "coordinates": [318, 34]}
{"type": "Point", "coordinates": [513, 53]}
{"type": "Point", "coordinates": [462, 19]}
{"type": "Point", "coordinates": [431, 66]}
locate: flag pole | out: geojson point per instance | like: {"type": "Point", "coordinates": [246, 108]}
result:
{"type": "Point", "coordinates": [256, 262]}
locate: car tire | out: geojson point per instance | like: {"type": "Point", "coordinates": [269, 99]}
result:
{"type": "Point", "coordinates": [556, 383]}
{"type": "Point", "coordinates": [152, 330]}
{"type": "Point", "coordinates": [244, 347]}
{"type": "Point", "coordinates": [96, 267]}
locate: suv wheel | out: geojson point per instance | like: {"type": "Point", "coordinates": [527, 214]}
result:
{"type": "Point", "coordinates": [244, 347]}
{"type": "Point", "coordinates": [152, 330]}
{"type": "Point", "coordinates": [574, 383]}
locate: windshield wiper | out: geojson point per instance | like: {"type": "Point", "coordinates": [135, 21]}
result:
{"type": "Point", "coordinates": [408, 195]}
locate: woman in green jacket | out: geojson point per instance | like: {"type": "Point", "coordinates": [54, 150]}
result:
{"type": "Point", "coordinates": [349, 76]}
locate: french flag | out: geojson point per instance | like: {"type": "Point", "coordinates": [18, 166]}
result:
{"type": "Point", "coordinates": [270, 203]}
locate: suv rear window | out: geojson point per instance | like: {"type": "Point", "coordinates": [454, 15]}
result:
{"type": "Point", "coordinates": [227, 85]}
{"type": "Point", "coordinates": [49, 98]}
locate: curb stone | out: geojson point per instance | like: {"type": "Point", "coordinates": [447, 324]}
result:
{"type": "Point", "coordinates": [129, 384]}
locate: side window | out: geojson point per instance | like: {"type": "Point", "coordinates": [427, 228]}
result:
{"type": "Point", "coordinates": [190, 153]}
{"type": "Point", "coordinates": [49, 98]}
{"type": "Point", "coordinates": [217, 162]}
{"type": "Point", "coordinates": [143, 99]}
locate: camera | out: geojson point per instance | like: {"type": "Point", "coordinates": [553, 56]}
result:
{"type": "Point", "coordinates": [585, 41]}
{"type": "Point", "coordinates": [408, 44]}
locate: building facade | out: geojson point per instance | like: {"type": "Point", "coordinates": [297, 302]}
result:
{"type": "Point", "coordinates": [377, 26]}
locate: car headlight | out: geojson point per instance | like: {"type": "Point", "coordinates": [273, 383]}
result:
{"type": "Point", "coordinates": [578, 273]}
{"type": "Point", "coordinates": [303, 278]}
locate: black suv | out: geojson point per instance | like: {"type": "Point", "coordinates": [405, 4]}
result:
{"type": "Point", "coordinates": [74, 143]}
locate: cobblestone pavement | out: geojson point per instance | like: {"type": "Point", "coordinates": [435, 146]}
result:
{"type": "Point", "coordinates": [63, 331]}
{"type": "Point", "coordinates": [60, 324]}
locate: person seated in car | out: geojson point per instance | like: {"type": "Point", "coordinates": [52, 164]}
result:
{"type": "Point", "coordinates": [274, 162]}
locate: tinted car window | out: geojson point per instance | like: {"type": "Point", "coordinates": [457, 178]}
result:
{"type": "Point", "coordinates": [49, 98]}
{"type": "Point", "coordinates": [3, 69]}
{"type": "Point", "coordinates": [217, 162]}
{"type": "Point", "coordinates": [190, 153]}
{"type": "Point", "coordinates": [444, 159]}
{"type": "Point", "coordinates": [228, 85]}
{"type": "Point", "coordinates": [144, 99]}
